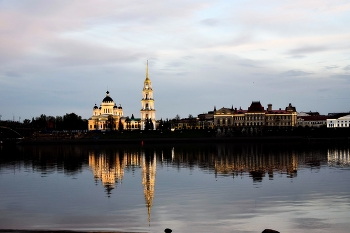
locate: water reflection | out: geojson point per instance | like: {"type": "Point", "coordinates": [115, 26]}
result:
{"type": "Point", "coordinates": [109, 163]}
{"type": "Point", "coordinates": [110, 170]}
{"type": "Point", "coordinates": [339, 157]}
{"type": "Point", "coordinates": [109, 166]}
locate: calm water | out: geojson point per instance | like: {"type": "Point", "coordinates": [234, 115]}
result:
{"type": "Point", "coordinates": [188, 188]}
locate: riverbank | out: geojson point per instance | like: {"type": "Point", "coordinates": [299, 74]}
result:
{"type": "Point", "coordinates": [152, 140]}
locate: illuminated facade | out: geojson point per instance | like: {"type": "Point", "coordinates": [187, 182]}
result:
{"type": "Point", "coordinates": [341, 122]}
{"type": "Point", "coordinates": [255, 116]}
{"type": "Point", "coordinates": [148, 113]}
{"type": "Point", "coordinates": [106, 117]}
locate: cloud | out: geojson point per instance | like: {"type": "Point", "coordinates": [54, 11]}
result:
{"type": "Point", "coordinates": [297, 56]}
{"type": "Point", "coordinates": [12, 74]}
{"type": "Point", "coordinates": [203, 45]}
{"type": "Point", "coordinates": [210, 22]}
{"type": "Point", "coordinates": [331, 67]}
{"type": "Point", "coordinates": [308, 49]}
{"type": "Point", "coordinates": [295, 73]}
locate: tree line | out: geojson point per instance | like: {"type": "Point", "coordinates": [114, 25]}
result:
{"type": "Point", "coordinates": [70, 121]}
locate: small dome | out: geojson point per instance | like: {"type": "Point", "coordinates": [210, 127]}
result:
{"type": "Point", "coordinates": [115, 106]}
{"type": "Point", "coordinates": [95, 107]}
{"type": "Point", "coordinates": [120, 107]}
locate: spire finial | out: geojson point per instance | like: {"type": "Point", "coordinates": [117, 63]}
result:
{"type": "Point", "coordinates": [147, 71]}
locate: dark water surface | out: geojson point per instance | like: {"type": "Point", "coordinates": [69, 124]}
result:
{"type": "Point", "coordinates": [185, 187]}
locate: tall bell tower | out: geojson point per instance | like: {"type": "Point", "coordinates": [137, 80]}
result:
{"type": "Point", "coordinates": [148, 113]}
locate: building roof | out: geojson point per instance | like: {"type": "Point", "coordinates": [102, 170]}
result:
{"type": "Point", "coordinates": [107, 99]}
{"type": "Point", "coordinates": [344, 117]}
{"type": "Point", "coordinates": [314, 118]}
{"type": "Point", "coordinates": [256, 107]}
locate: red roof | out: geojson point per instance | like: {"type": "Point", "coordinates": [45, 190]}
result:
{"type": "Point", "coordinates": [314, 118]}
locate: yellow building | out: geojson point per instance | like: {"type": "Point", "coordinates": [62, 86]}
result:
{"type": "Point", "coordinates": [106, 117]}
{"type": "Point", "coordinates": [148, 113]}
{"type": "Point", "coordinates": [255, 116]}
{"type": "Point", "coordinates": [110, 117]}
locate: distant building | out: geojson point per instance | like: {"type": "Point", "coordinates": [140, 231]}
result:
{"type": "Point", "coordinates": [341, 122]}
{"type": "Point", "coordinates": [206, 120]}
{"type": "Point", "coordinates": [311, 119]}
{"type": "Point", "coordinates": [132, 123]}
{"type": "Point", "coordinates": [255, 117]}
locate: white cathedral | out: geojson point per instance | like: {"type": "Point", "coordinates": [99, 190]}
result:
{"type": "Point", "coordinates": [110, 117]}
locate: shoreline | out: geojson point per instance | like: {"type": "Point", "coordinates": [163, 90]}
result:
{"type": "Point", "coordinates": [145, 140]}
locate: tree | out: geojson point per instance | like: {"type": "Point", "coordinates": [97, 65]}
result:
{"type": "Point", "coordinates": [26, 121]}
{"type": "Point", "coordinates": [147, 124]}
{"type": "Point", "coordinates": [110, 122]}
{"type": "Point", "coordinates": [151, 126]}
{"type": "Point", "coordinates": [72, 121]}
{"type": "Point", "coordinates": [121, 126]}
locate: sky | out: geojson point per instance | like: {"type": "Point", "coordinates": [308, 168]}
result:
{"type": "Point", "coordinates": [61, 56]}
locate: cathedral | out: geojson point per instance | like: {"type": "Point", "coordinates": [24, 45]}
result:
{"type": "Point", "coordinates": [109, 116]}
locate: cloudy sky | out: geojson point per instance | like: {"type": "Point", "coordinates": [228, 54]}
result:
{"type": "Point", "coordinates": [58, 57]}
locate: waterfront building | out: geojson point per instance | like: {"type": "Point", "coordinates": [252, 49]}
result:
{"type": "Point", "coordinates": [133, 123]}
{"type": "Point", "coordinates": [148, 113]}
{"type": "Point", "coordinates": [223, 117]}
{"type": "Point", "coordinates": [206, 120]}
{"type": "Point", "coordinates": [108, 116]}
{"type": "Point", "coordinates": [186, 123]}
{"type": "Point", "coordinates": [255, 117]}
{"type": "Point", "coordinates": [311, 119]}
{"type": "Point", "coordinates": [338, 122]}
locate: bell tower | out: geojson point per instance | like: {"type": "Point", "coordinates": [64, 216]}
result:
{"type": "Point", "coordinates": [148, 113]}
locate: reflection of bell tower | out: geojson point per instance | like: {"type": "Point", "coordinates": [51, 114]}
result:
{"type": "Point", "coordinates": [148, 113]}
{"type": "Point", "coordinates": [148, 180]}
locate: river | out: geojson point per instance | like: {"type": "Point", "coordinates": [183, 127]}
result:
{"type": "Point", "coordinates": [219, 187]}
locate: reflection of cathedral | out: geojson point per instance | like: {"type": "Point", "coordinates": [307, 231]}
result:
{"type": "Point", "coordinates": [109, 169]}
{"type": "Point", "coordinates": [257, 160]}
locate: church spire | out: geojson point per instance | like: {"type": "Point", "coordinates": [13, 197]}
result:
{"type": "Point", "coordinates": [147, 78]}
